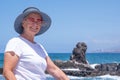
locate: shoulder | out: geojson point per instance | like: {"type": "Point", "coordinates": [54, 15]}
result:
{"type": "Point", "coordinates": [14, 40]}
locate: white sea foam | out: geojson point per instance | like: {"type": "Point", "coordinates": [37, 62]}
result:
{"type": "Point", "coordinates": [71, 77]}
{"type": "Point", "coordinates": [110, 77]}
{"type": "Point", "coordinates": [93, 65]}
{"type": "Point", "coordinates": [1, 77]}
{"type": "Point", "coordinates": [105, 77]}
{"type": "Point", "coordinates": [72, 69]}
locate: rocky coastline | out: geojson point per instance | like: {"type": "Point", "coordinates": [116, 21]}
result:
{"type": "Point", "coordinates": [79, 66]}
{"type": "Point", "coordinates": [86, 70]}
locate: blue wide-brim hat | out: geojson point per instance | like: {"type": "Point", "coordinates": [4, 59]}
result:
{"type": "Point", "coordinates": [44, 27]}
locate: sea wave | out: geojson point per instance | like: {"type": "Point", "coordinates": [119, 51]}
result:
{"type": "Point", "coordinates": [71, 69]}
{"type": "Point", "coordinates": [110, 77]}
{"type": "Point", "coordinates": [93, 65]}
{"type": "Point", "coordinates": [105, 77]}
{"type": "Point", "coordinates": [1, 77]}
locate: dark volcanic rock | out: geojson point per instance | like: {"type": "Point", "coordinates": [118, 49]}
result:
{"type": "Point", "coordinates": [78, 54]}
{"type": "Point", "coordinates": [1, 70]}
{"type": "Point", "coordinates": [85, 70]}
{"type": "Point", "coordinates": [71, 64]}
{"type": "Point", "coordinates": [107, 67]}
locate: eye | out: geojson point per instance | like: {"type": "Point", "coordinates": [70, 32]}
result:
{"type": "Point", "coordinates": [31, 19]}
{"type": "Point", "coordinates": [39, 20]}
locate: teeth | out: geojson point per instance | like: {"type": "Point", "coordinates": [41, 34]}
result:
{"type": "Point", "coordinates": [34, 29]}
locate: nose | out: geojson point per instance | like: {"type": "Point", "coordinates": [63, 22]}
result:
{"type": "Point", "coordinates": [35, 22]}
{"type": "Point", "coordinates": [36, 25]}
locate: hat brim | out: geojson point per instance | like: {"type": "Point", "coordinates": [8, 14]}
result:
{"type": "Point", "coordinates": [44, 27]}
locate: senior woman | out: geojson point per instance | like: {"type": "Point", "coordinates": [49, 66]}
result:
{"type": "Point", "coordinates": [25, 59]}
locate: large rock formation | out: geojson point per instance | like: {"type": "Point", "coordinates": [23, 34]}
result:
{"type": "Point", "coordinates": [78, 65]}
{"type": "Point", "coordinates": [79, 52]}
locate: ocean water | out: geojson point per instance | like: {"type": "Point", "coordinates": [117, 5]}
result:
{"type": "Point", "coordinates": [93, 58]}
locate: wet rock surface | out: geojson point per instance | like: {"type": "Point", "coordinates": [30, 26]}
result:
{"type": "Point", "coordinates": [1, 70]}
{"type": "Point", "coordinates": [86, 70]}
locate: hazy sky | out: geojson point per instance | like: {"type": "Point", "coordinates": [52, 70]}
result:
{"type": "Point", "coordinates": [95, 22]}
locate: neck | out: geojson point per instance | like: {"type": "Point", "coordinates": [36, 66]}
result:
{"type": "Point", "coordinates": [28, 37]}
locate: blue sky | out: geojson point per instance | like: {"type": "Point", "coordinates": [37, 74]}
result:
{"type": "Point", "coordinates": [95, 22]}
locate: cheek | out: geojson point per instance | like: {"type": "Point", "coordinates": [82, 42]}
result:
{"type": "Point", "coordinates": [23, 24]}
{"type": "Point", "coordinates": [25, 27]}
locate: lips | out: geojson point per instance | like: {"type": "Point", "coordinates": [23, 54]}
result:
{"type": "Point", "coordinates": [34, 29]}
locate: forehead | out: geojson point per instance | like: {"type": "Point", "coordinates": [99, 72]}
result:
{"type": "Point", "coordinates": [34, 15]}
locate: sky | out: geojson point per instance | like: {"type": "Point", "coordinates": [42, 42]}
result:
{"type": "Point", "coordinates": [94, 22]}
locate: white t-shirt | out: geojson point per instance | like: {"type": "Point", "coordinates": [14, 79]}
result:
{"type": "Point", "coordinates": [32, 63]}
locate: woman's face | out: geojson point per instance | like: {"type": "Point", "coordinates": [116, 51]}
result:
{"type": "Point", "coordinates": [32, 24]}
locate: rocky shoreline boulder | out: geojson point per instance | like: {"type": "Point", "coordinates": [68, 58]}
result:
{"type": "Point", "coordinates": [1, 70]}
